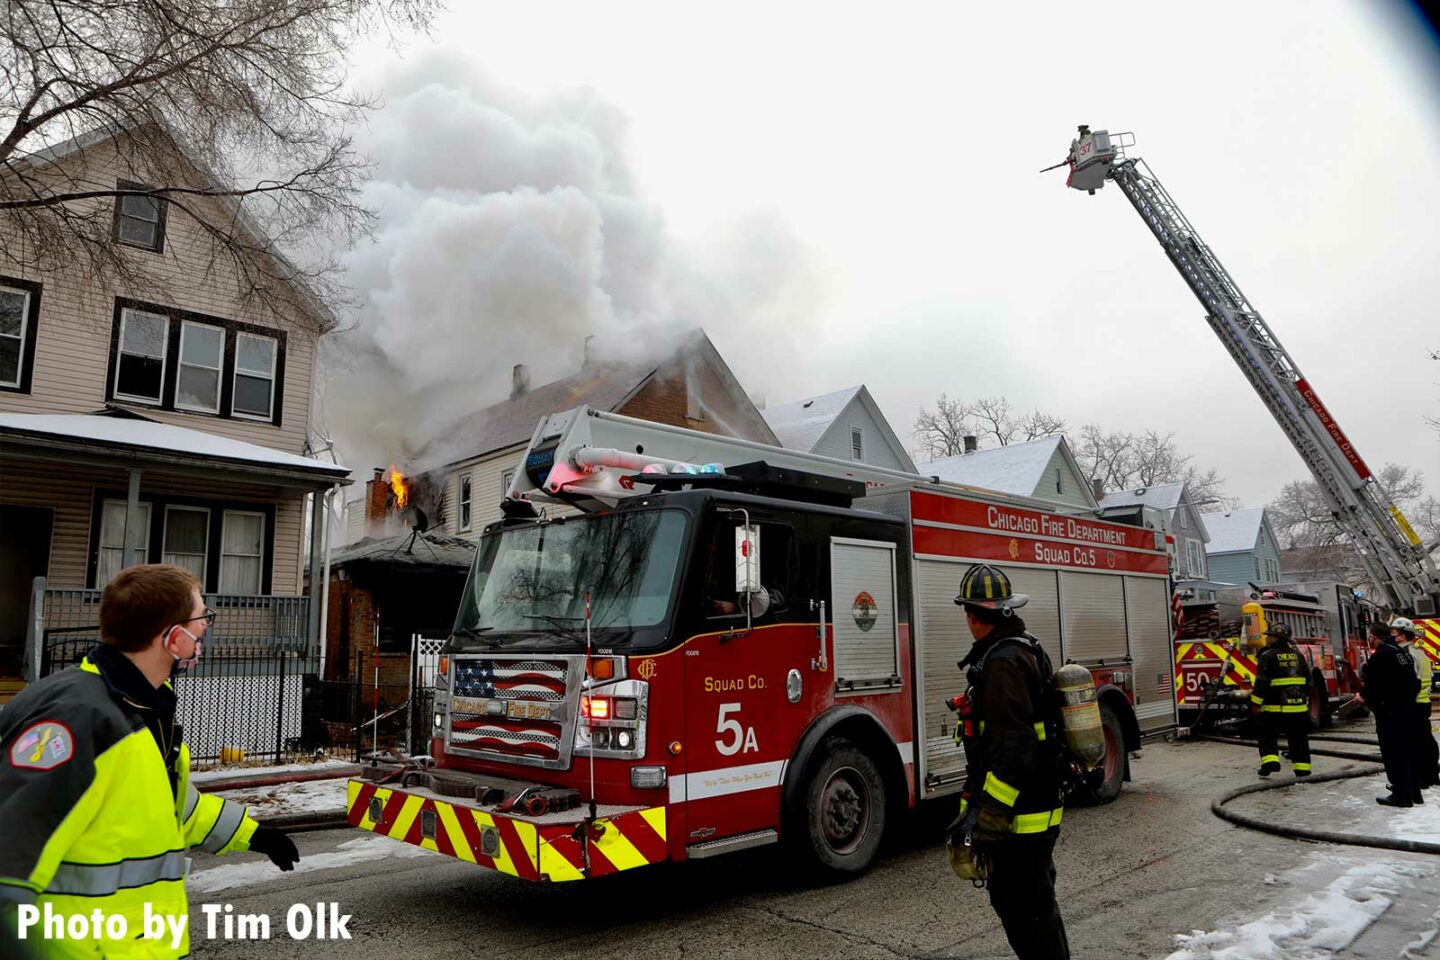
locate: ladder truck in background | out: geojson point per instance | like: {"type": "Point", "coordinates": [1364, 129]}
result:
{"type": "Point", "coordinates": [1389, 549]}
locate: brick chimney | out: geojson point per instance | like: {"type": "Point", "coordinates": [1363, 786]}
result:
{"type": "Point", "coordinates": [519, 381]}
{"type": "Point", "coordinates": [971, 444]}
{"type": "Point", "coordinates": [377, 504]}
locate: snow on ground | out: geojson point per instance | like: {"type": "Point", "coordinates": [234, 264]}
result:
{"type": "Point", "coordinates": [229, 773]}
{"type": "Point", "coordinates": [288, 799]}
{"type": "Point", "coordinates": [259, 871]}
{"type": "Point", "coordinates": [1356, 799]}
{"type": "Point", "coordinates": [1310, 927]}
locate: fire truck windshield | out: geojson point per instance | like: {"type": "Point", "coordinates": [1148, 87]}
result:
{"type": "Point", "coordinates": [528, 584]}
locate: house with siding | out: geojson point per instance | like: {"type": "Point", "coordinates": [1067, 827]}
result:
{"type": "Point", "coordinates": [1242, 547]}
{"type": "Point", "coordinates": [1043, 469]}
{"type": "Point", "coordinates": [693, 387]}
{"type": "Point", "coordinates": [846, 424]}
{"type": "Point", "coordinates": [1169, 508]}
{"type": "Point", "coordinates": [159, 416]}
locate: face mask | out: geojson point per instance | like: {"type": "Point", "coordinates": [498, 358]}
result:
{"type": "Point", "coordinates": [187, 663]}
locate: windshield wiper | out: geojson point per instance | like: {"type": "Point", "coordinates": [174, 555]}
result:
{"type": "Point", "coordinates": [559, 623]}
{"type": "Point", "coordinates": [470, 631]}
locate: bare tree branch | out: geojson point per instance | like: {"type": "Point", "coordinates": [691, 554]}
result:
{"type": "Point", "coordinates": [231, 112]}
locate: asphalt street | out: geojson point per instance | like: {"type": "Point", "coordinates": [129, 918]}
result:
{"type": "Point", "coordinates": [1132, 876]}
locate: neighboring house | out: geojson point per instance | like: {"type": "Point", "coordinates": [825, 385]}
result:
{"type": "Point", "coordinates": [1169, 508]}
{"type": "Point", "coordinates": [691, 388]}
{"type": "Point", "coordinates": [846, 424]}
{"type": "Point", "coordinates": [1044, 469]}
{"type": "Point", "coordinates": [1335, 561]}
{"type": "Point", "coordinates": [165, 421]}
{"type": "Point", "coordinates": [1242, 547]}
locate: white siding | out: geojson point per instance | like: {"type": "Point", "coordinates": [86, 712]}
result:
{"type": "Point", "coordinates": [1073, 486]}
{"type": "Point", "coordinates": [836, 440]}
{"type": "Point", "coordinates": [486, 492]}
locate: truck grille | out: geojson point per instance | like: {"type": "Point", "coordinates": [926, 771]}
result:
{"type": "Point", "coordinates": [511, 708]}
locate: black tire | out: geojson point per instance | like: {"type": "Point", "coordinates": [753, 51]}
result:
{"type": "Point", "coordinates": [843, 815]}
{"type": "Point", "coordinates": [1319, 712]}
{"type": "Point", "coordinates": [1113, 766]}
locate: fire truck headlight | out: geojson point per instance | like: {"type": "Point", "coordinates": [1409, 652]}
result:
{"type": "Point", "coordinates": [600, 739]}
{"type": "Point", "coordinates": [646, 778]}
{"type": "Point", "coordinates": [623, 739]}
{"type": "Point", "coordinates": [439, 720]}
{"type": "Point", "coordinates": [625, 708]}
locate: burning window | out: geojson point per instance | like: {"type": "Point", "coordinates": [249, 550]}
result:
{"type": "Point", "coordinates": [140, 370]}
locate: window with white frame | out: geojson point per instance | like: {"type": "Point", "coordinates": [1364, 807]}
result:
{"type": "Point", "coordinates": [186, 541]}
{"type": "Point", "coordinates": [140, 366]}
{"type": "Point", "coordinates": [465, 502]}
{"type": "Point", "coordinates": [857, 443]}
{"type": "Point", "coordinates": [1195, 554]}
{"type": "Point", "coordinates": [202, 352]}
{"type": "Point", "coordinates": [14, 327]}
{"type": "Point", "coordinates": [505, 479]}
{"type": "Point", "coordinates": [254, 395]}
{"type": "Point", "coordinates": [140, 220]}
{"type": "Point", "coordinates": [112, 540]}
{"type": "Point", "coordinates": [242, 551]}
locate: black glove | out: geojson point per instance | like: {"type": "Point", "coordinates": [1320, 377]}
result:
{"type": "Point", "coordinates": [275, 845]}
{"type": "Point", "coordinates": [991, 826]}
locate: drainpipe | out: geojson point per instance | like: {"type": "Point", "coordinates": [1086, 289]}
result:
{"type": "Point", "coordinates": [323, 634]}
{"type": "Point", "coordinates": [317, 525]}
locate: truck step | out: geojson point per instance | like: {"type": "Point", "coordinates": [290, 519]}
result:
{"type": "Point", "coordinates": [713, 848]}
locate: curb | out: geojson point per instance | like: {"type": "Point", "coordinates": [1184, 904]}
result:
{"type": "Point", "coordinates": [276, 779]}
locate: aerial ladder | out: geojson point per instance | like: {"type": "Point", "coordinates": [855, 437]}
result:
{"type": "Point", "coordinates": [1392, 554]}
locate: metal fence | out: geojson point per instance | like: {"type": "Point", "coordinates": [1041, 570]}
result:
{"type": "Point", "coordinates": [258, 691]}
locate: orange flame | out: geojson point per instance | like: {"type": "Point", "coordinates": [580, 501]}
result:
{"type": "Point", "coordinates": [399, 486]}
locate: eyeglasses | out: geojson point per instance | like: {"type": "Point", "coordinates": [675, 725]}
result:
{"type": "Point", "coordinates": [208, 616]}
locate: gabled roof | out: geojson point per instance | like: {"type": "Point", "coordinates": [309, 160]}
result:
{"type": "Point", "coordinates": [1017, 468]}
{"type": "Point", "coordinates": [1161, 496]}
{"type": "Point", "coordinates": [603, 386]}
{"type": "Point", "coordinates": [800, 425]}
{"type": "Point", "coordinates": [430, 549]}
{"type": "Point", "coordinates": [1233, 531]}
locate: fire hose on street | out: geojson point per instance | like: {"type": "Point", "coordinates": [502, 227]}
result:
{"type": "Point", "coordinates": [1218, 805]}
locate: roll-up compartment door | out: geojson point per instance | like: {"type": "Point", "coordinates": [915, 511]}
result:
{"type": "Point", "coordinates": [1042, 613]}
{"type": "Point", "coordinates": [943, 641]}
{"type": "Point", "coordinates": [1147, 612]}
{"type": "Point", "coordinates": [1092, 614]}
{"type": "Point", "coordinates": [867, 648]}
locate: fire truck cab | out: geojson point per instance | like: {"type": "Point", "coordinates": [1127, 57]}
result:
{"type": "Point", "coordinates": [724, 656]}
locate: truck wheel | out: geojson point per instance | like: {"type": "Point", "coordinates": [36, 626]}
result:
{"type": "Point", "coordinates": [1113, 766]}
{"type": "Point", "coordinates": [844, 813]}
{"type": "Point", "coordinates": [1319, 713]}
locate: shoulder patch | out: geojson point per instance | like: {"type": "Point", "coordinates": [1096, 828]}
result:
{"type": "Point", "coordinates": [43, 746]}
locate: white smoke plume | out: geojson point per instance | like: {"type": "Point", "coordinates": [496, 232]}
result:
{"type": "Point", "coordinates": [509, 230]}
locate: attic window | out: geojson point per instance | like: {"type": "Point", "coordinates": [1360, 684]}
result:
{"type": "Point", "coordinates": [857, 443]}
{"type": "Point", "coordinates": [1059, 480]}
{"type": "Point", "coordinates": [139, 220]}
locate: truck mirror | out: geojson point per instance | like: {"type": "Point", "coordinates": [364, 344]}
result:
{"type": "Point", "coordinates": [759, 602]}
{"type": "Point", "coordinates": [747, 558]}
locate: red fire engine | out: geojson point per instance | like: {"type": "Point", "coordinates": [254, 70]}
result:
{"type": "Point", "coordinates": [1219, 641]}
{"type": "Point", "coordinates": [738, 645]}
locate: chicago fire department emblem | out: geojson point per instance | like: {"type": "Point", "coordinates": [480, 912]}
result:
{"type": "Point", "coordinates": [1110, 558]}
{"type": "Point", "coordinates": [865, 611]}
{"type": "Point", "coordinates": [1014, 549]}
{"type": "Point", "coordinates": [645, 669]}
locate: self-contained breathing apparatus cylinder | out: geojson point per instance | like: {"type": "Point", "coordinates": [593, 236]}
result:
{"type": "Point", "coordinates": [1080, 714]}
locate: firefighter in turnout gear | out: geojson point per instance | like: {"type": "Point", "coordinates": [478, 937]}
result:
{"type": "Point", "coordinates": [1281, 698]}
{"type": "Point", "coordinates": [1011, 805]}
{"type": "Point", "coordinates": [1389, 691]}
{"type": "Point", "coordinates": [95, 793]}
{"type": "Point", "coordinates": [1427, 751]}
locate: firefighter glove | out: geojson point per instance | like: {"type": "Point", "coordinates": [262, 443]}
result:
{"type": "Point", "coordinates": [992, 825]}
{"type": "Point", "coordinates": [275, 845]}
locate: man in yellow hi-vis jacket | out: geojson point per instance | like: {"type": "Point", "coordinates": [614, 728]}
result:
{"type": "Point", "coordinates": [96, 801]}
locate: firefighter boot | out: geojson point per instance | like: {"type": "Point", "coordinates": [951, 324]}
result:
{"type": "Point", "coordinates": [1269, 767]}
{"type": "Point", "coordinates": [1394, 801]}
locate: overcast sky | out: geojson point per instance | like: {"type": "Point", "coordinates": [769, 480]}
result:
{"type": "Point", "coordinates": [867, 174]}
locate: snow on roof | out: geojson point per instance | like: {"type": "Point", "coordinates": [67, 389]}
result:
{"type": "Point", "coordinates": [149, 435]}
{"type": "Point", "coordinates": [1017, 468]}
{"type": "Point", "coordinates": [1233, 531]}
{"type": "Point", "coordinates": [1162, 496]}
{"type": "Point", "coordinates": [801, 424]}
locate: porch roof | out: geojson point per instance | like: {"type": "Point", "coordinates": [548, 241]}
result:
{"type": "Point", "coordinates": [142, 443]}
